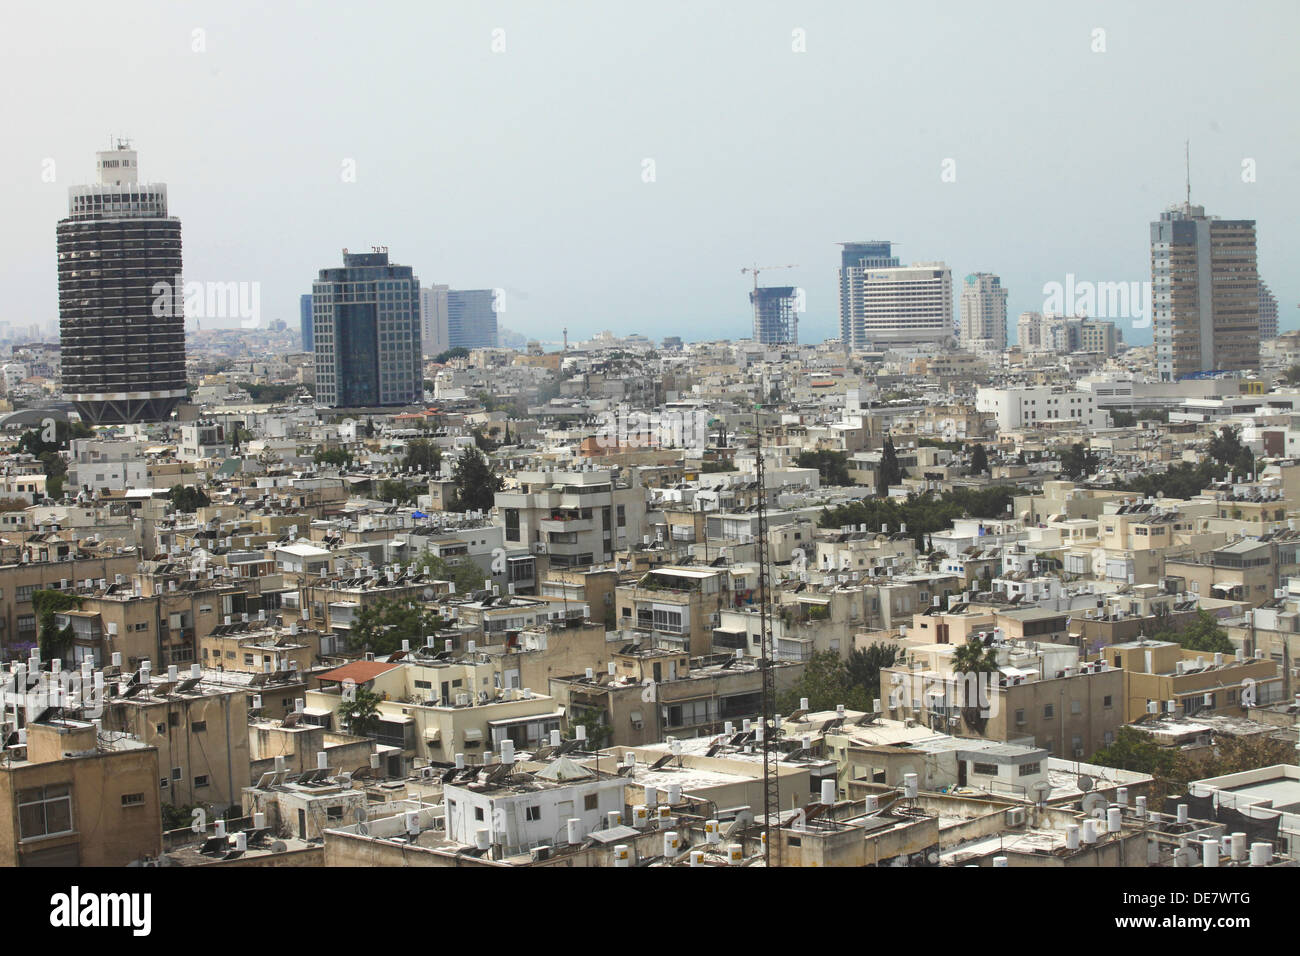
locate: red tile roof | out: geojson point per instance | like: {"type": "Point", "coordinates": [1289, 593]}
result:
{"type": "Point", "coordinates": [358, 671]}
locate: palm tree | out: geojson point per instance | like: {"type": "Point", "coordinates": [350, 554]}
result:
{"type": "Point", "coordinates": [360, 714]}
{"type": "Point", "coordinates": [974, 658]}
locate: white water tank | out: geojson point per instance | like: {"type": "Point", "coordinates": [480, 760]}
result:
{"type": "Point", "coordinates": [712, 832]}
{"type": "Point", "coordinates": [622, 857]}
{"type": "Point", "coordinates": [910, 786]}
{"type": "Point", "coordinates": [1261, 854]}
{"type": "Point", "coordinates": [1210, 853]}
{"type": "Point", "coordinates": [670, 843]}
{"type": "Point", "coordinates": [828, 792]}
{"type": "Point", "coordinates": [575, 831]}
{"type": "Point", "coordinates": [1114, 819]}
{"type": "Point", "coordinates": [1072, 836]}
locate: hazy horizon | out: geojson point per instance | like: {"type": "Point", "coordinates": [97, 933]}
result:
{"type": "Point", "coordinates": [524, 169]}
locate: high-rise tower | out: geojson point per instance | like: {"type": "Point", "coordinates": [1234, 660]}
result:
{"type": "Point", "coordinates": [366, 330]}
{"type": "Point", "coordinates": [121, 304]}
{"type": "Point", "coordinates": [1205, 293]}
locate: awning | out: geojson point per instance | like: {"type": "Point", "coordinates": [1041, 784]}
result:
{"type": "Point", "coordinates": [1223, 587]}
{"type": "Point", "coordinates": [317, 711]}
{"type": "Point", "coordinates": [432, 734]}
{"type": "Point", "coordinates": [473, 733]}
{"type": "Point", "coordinates": [527, 719]}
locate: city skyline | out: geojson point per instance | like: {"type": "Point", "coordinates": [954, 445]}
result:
{"type": "Point", "coordinates": [540, 213]}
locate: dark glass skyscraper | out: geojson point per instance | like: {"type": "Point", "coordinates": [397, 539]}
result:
{"type": "Point", "coordinates": [471, 318]}
{"type": "Point", "coordinates": [304, 321]}
{"type": "Point", "coordinates": [366, 333]}
{"type": "Point", "coordinates": [121, 305]}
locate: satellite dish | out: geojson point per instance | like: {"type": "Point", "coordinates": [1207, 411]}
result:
{"type": "Point", "coordinates": [1086, 782]}
{"type": "Point", "coordinates": [279, 846]}
{"type": "Point", "coordinates": [428, 594]}
{"type": "Point", "coordinates": [1041, 790]}
{"type": "Point", "coordinates": [1094, 804]}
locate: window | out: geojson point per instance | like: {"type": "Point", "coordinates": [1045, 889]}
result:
{"type": "Point", "coordinates": [1049, 712]}
{"type": "Point", "coordinates": [199, 726]}
{"type": "Point", "coordinates": [1076, 707]}
{"type": "Point", "coordinates": [985, 769]}
{"type": "Point", "coordinates": [201, 780]}
{"type": "Point", "coordinates": [478, 813]}
{"type": "Point", "coordinates": [333, 813]}
{"type": "Point", "coordinates": [176, 773]}
{"type": "Point", "coordinates": [589, 802]}
{"type": "Point", "coordinates": [162, 783]}
{"type": "Point", "coordinates": [1028, 769]}
{"type": "Point", "coordinates": [1020, 716]}
{"type": "Point", "coordinates": [532, 813]}
{"type": "Point", "coordinates": [133, 799]}
{"type": "Point", "coordinates": [45, 811]}
{"type": "Point", "coordinates": [1106, 701]}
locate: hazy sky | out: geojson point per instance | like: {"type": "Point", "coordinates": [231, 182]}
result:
{"type": "Point", "coordinates": [524, 169]}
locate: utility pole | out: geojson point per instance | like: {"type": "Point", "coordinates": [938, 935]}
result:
{"type": "Point", "coordinates": [767, 664]}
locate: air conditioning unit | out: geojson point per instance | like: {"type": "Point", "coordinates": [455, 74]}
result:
{"type": "Point", "coordinates": [540, 853]}
{"type": "Point", "coordinates": [1016, 817]}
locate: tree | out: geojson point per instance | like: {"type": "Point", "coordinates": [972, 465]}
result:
{"type": "Point", "coordinates": [475, 482]}
{"type": "Point", "coordinates": [979, 460]}
{"type": "Point", "coordinates": [47, 445]}
{"type": "Point", "coordinates": [442, 358]}
{"type": "Point", "coordinates": [832, 466]}
{"type": "Point", "coordinates": [422, 455]}
{"type": "Point", "coordinates": [1226, 448]}
{"type": "Point", "coordinates": [188, 498]}
{"type": "Point", "coordinates": [826, 684]}
{"type": "Point", "coordinates": [1134, 749]}
{"type": "Point", "coordinates": [891, 472]}
{"type": "Point", "coordinates": [1078, 462]}
{"type": "Point", "coordinates": [360, 715]}
{"type": "Point", "coordinates": [381, 627]}
{"type": "Point", "coordinates": [974, 658]}
{"type": "Point", "coordinates": [1202, 634]}
{"type": "Point", "coordinates": [598, 731]}
{"type": "Point", "coordinates": [467, 576]}
{"type": "Point", "coordinates": [52, 640]}
{"type": "Point", "coordinates": [338, 457]}
{"type": "Point", "coordinates": [391, 489]}
{"type": "Point", "coordinates": [239, 435]}
{"type": "Point", "coordinates": [864, 666]}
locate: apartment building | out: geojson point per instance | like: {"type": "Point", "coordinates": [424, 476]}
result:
{"type": "Point", "coordinates": [198, 728]}
{"type": "Point", "coordinates": [434, 706]}
{"type": "Point", "coordinates": [77, 796]}
{"type": "Point", "coordinates": [1041, 696]}
{"type": "Point", "coordinates": [1164, 677]}
{"type": "Point", "coordinates": [679, 606]}
{"type": "Point", "coordinates": [576, 519]}
{"type": "Point", "coordinates": [65, 570]}
{"type": "Point", "coordinates": [653, 692]}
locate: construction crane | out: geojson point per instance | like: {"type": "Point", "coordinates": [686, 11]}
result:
{"type": "Point", "coordinates": [767, 662]}
{"type": "Point", "coordinates": [755, 300]}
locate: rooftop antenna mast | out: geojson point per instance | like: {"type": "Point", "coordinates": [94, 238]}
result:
{"type": "Point", "coordinates": [767, 661]}
{"type": "Point", "coordinates": [1187, 160]}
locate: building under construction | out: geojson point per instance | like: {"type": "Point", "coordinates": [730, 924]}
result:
{"type": "Point", "coordinates": [776, 319]}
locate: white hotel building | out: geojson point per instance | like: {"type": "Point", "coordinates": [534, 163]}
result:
{"type": "Point", "coordinates": [1031, 406]}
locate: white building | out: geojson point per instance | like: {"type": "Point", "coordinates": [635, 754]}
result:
{"type": "Point", "coordinates": [1031, 406]}
{"type": "Point", "coordinates": [433, 319]}
{"type": "Point", "coordinates": [983, 313]}
{"type": "Point", "coordinates": [898, 306]}
{"type": "Point", "coordinates": [521, 816]}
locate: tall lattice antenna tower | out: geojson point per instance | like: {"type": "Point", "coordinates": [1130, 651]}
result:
{"type": "Point", "coordinates": [767, 665]}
